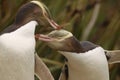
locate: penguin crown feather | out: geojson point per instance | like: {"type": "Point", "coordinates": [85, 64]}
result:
{"type": "Point", "coordinates": [42, 6]}
{"type": "Point", "coordinates": [60, 34]}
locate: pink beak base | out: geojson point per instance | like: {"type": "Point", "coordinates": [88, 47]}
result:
{"type": "Point", "coordinates": [43, 37]}
{"type": "Point", "coordinates": [54, 24]}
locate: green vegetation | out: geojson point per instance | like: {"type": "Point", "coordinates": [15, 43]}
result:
{"type": "Point", "coordinates": [97, 21]}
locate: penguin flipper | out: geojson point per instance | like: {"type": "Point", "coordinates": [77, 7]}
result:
{"type": "Point", "coordinates": [41, 70]}
{"type": "Point", "coordinates": [64, 73]}
{"type": "Point", "coordinates": [113, 56]}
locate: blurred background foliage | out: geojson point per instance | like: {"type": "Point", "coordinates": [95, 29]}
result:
{"type": "Point", "coordinates": [97, 21]}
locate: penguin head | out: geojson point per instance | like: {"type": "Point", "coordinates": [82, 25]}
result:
{"type": "Point", "coordinates": [36, 11]}
{"type": "Point", "coordinates": [64, 42]}
{"type": "Point", "coordinates": [61, 40]}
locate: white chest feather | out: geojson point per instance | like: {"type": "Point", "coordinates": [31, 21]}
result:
{"type": "Point", "coordinates": [91, 65]}
{"type": "Point", "coordinates": [17, 53]}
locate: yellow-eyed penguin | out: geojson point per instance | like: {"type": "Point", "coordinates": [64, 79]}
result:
{"type": "Point", "coordinates": [17, 44]}
{"type": "Point", "coordinates": [84, 60]}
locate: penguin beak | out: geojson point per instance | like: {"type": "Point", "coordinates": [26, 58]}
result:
{"type": "Point", "coordinates": [61, 40]}
{"type": "Point", "coordinates": [47, 17]}
{"type": "Point", "coordinates": [57, 39]}
{"type": "Point", "coordinates": [53, 23]}
{"type": "Point", "coordinates": [43, 15]}
{"type": "Point", "coordinates": [56, 35]}
{"type": "Point", "coordinates": [44, 38]}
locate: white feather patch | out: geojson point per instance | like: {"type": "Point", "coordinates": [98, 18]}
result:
{"type": "Point", "coordinates": [91, 65]}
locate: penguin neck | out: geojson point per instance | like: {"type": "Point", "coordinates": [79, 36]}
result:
{"type": "Point", "coordinates": [22, 36]}
{"type": "Point", "coordinates": [24, 28]}
{"type": "Point", "coordinates": [72, 45]}
{"type": "Point", "coordinates": [27, 29]}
